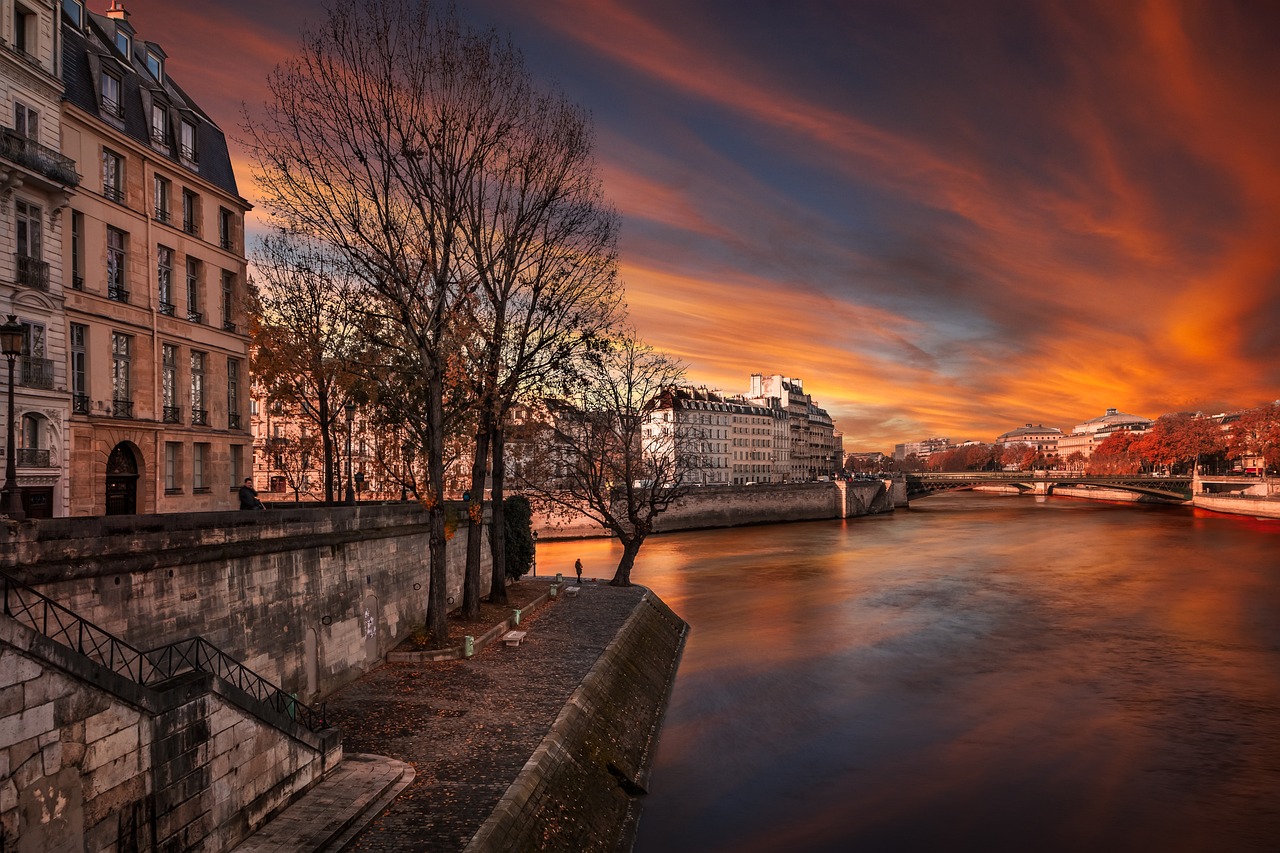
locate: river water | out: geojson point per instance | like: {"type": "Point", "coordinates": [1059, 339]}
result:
{"type": "Point", "coordinates": [979, 672]}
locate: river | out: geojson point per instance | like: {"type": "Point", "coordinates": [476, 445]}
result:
{"type": "Point", "coordinates": [976, 673]}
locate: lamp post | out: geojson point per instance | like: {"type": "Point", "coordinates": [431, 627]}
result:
{"type": "Point", "coordinates": [350, 409]}
{"type": "Point", "coordinates": [12, 335]}
{"type": "Point", "coordinates": [406, 452]}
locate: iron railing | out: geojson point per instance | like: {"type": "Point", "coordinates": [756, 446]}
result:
{"type": "Point", "coordinates": [233, 420]}
{"type": "Point", "coordinates": [194, 316]}
{"type": "Point", "coordinates": [37, 372]}
{"type": "Point", "coordinates": [167, 308]}
{"type": "Point", "coordinates": [121, 408]}
{"type": "Point", "coordinates": [31, 272]}
{"type": "Point", "coordinates": [27, 152]}
{"type": "Point", "coordinates": [80, 404]}
{"type": "Point", "coordinates": [199, 417]}
{"type": "Point", "coordinates": [117, 292]}
{"type": "Point", "coordinates": [30, 457]}
{"type": "Point", "coordinates": [173, 414]}
{"type": "Point", "coordinates": [45, 616]}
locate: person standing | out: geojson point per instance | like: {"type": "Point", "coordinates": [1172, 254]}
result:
{"type": "Point", "coordinates": [249, 495]}
{"type": "Point", "coordinates": [577, 567]}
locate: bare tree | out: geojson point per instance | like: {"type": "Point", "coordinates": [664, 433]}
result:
{"type": "Point", "coordinates": [373, 133]}
{"type": "Point", "coordinates": [615, 463]}
{"type": "Point", "coordinates": [307, 334]}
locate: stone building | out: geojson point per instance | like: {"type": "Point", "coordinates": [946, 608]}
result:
{"type": "Point", "coordinates": [36, 183]}
{"type": "Point", "coordinates": [1039, 436]}
{"type": "Point", "coordinates": [154, 272]}
{"type": "Point", "coordinates": [811, 432]}
{"type": "Point", "coordinates": [1084, 437]}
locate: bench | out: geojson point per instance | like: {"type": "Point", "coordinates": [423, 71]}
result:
{"type": "Point", "coordinates": [572, 590]}
{"type": "Point", "coordinates": [513, 638]}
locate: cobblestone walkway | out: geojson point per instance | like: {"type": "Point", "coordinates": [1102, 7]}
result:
{"type": "Point", "coordinates": [468, 727]}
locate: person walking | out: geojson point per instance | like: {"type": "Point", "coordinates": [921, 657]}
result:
{"type": "Point", "coordinates": [577, 567]}
{"type": "Point", "coordinates": [249, 495]}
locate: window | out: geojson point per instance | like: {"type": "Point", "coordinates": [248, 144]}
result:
{"type": "Point", "coordinates": [77, 250]}
{"type": "Point", "coordinates": [199, 459]}
{"type": "Point", "coordinates": [164, 277]}
{"type": "Point", "coordinates": [33, 449]}
{"type": "Point", "coordinates": [26, 121]}
{"type": "Point", "coordinates": [228, 301]}
{"type": "Point", "coordinates": [187, 141]}
{"type": "Point", "coordinates": [113, 175]}
{"type": "Point", "coordinates": [172, 468]}
{"type": "Point", "coordinates": [233, 394]}
{"type": "Point", "coordinates": [124, 44]}
{"type": "Point", "coordinates": [121, 358]}
{"type": "Point", "coordinates": [199, 414]}
{"type": "Point", "coordinates": [79, 369]}
{"type": "Point", "coordinates": [224, 228]}
{"type": "Point", "coordinates": [111, 95]}
{"type": "Point", "coordinates": [193, 290]}
{"type": "Point", "coordinates": [237, 465]}
{"type": "Point", "coordinates": [159, 124]}
{"type": "Point", "coordinates": [169, 384]}
{"type": "Point", "coordinates": [24, 31]}
{"type": "Point", "coordinates": [162, 199]}
{"type": "Point", "coordinates": [155, 65]}
{"type": "Point", "coordinates": [190, 212]}
{"type": "Point", "coordinates": [74, 9]}
{"type": "Point", "coordinates": [117, 259]}
{"type": "Point", "coordinates": [32, 270]}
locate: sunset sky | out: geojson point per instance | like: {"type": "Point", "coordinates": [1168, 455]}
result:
{"type": "Point", "coordinates": [947, 218]}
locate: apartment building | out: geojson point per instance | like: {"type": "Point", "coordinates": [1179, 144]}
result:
{"type": "Point", "coordinates": [156, 337]}
{"type": "Point", "coordinates": [36, 183]}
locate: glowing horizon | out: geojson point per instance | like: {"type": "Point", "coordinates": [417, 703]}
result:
{"type": "Point", "coordinates": [943, 223]}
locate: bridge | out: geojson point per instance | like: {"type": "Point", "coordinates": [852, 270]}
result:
{"type": "Point", "coordinates": [1043, 483]}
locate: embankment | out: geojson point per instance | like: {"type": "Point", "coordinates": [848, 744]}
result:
{"type": "Point", "coordinates": [1250, 505]}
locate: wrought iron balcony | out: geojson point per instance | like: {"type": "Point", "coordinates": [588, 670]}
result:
{"type": "Point", "coordinates": [37, 372]}
{"type": "Point", "coordinates": [228, 326]}
{"type": "Point", "coordinates": [190, 154]}
{"type": "Point", "coordinates": [117, 292]}
{"type": "Point", "coordinates": [167, 308]}
{"type": "Point", "coordinates": [33, 458]}
{"type": "Point", "coordinates": [195, 316]}
{"type": "Point", "coordinates": [162, 215]}
{"type": "Point", "coordinates": [77, 282]}
{"type": "Point", "coordinates": [173, 414]}
{"type": "Point", "coordinates": [226, 242]}
{"type": "Point", "coordinates": [233, 420]}
{"type": "Point", "coordinates": [200, 417]}
{"type": "Point", "coordinates": [189, 225]}
{"type": "Point", "coordinates": [122, 408]}
{"type": "Point", "coordinates": [31, 272]}
{"type": "Point", "coordinates": [113, 192]}
{"type": "Point", "coordinates": [17, 148]}
{"type": "Point", "coordinates": [80, 404]}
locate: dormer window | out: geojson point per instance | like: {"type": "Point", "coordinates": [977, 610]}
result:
{"type": "Point", "coordinates": [155, 64]}
{"type": "Point", "coordinates": [111, 95]}
{"type": "Point", "coordinates": [159, 124]}
{"type": "Point", "coordinates": [124, 44]}
{"type": "Point", "coordinates": [187, 141]}
{"type": "Point", "coordinates": [74, 10]}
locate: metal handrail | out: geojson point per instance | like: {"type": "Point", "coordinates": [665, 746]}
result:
{"type": "Point", "coordinates": [45, 616]}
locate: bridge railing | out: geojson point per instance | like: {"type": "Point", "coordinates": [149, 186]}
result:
{"type": "Point", "coordinates": [45, 616]}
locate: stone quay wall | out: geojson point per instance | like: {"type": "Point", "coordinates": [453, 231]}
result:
{"type": "Point", "coordinates": [582, 787]}
{"type": "Point", "coordinates": [90, 761]}
{"type": "Point", "coordinates": [306, 597]}
{"type": "Point", "coordinates": [1251, 505]}
{"type": "Point", "coordinates": [764, 503]}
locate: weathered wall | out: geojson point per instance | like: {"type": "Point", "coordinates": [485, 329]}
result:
{"type": "Point", "coordinates": [1105, 495]}
{"type": "Point", "coordinates": [1257, 507]}
{"type": "Point", "coordinates": [308, 598]}
{"type": "Point", "coordinates": [90, 761]}
{"type": "Point", "coordinates": [578, 791]}
{"type": "Point", "coordinates": [734, 506]}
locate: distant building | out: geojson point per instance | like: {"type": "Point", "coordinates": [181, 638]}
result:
{"type": "Point", "coordinates": [1085, 437]}
{"type": "Point", "coordinates": [811, 432]}
{"type": "Point", "coordinates": [1039, 436]}
{"type": "Point", "coordinates": [922, 449]}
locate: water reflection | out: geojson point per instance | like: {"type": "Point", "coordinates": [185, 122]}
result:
{"type": "Point", "coordinates": [980, 673]}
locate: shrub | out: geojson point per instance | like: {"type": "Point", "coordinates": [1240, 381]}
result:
{"type": "Point", "coordinates": [517, 522]}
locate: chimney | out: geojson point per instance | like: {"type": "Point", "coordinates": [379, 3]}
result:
{"type": "Point", "coordinates": [1111, 411]}
{"type": "Point", "coordinates": [117, 11]}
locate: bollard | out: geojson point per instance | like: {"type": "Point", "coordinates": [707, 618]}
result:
{"type": "Point", "coordinates": [559, 577]}
{"type": "Point", "coordinates": [554, 588]}
{"type": "Point", "coordinates": [516, 619]}
{"type": "Point", "coordinates": [468, 646]}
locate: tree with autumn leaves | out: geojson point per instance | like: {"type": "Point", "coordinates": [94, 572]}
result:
{"type": "Point", "coordinates": [1255, 438]}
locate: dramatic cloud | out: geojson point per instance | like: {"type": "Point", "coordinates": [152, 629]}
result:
{"type": "Point", "coordinates": [945, 218]}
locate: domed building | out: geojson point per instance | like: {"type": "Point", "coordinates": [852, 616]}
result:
{"type": "Point", "coordinates": [1039, 436]}
{"type": "Point", "coordinates": [1088, 435]}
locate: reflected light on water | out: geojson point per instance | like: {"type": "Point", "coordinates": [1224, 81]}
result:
{"type": "Point", "coordinates": [977, 673]}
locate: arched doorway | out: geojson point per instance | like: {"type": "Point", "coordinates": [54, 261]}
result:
{"type": "Point", "coordinates": [122, 481]}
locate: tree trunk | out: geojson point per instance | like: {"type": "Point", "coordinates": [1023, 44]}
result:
{"type": "Point", "coordinates": [475, 511]}
{"type": "Point", "coordinates": [326, 441]}
{"type": "Point", "coordinates": [497, 528]}
{"type": "Point", "coordinates": [630, 548]}
{"type": "Point", "coordinates": [437, 612]}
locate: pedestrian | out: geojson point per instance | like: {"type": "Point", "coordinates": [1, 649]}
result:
{"type": "Point", "coordinates": [249, 495]}
{"type": "Point", "coordinates": [577, 567]}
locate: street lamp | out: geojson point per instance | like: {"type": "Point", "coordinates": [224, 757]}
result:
{"type": "Point", "coordinates": [406, 451]}
{"type": "Point", "coordinates": [350, 409]}
{"type": "Point", "coordinates": [12, 335]}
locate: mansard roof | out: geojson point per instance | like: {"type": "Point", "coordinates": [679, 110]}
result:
{"type": "Point", "coordinates": [94, 47]}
